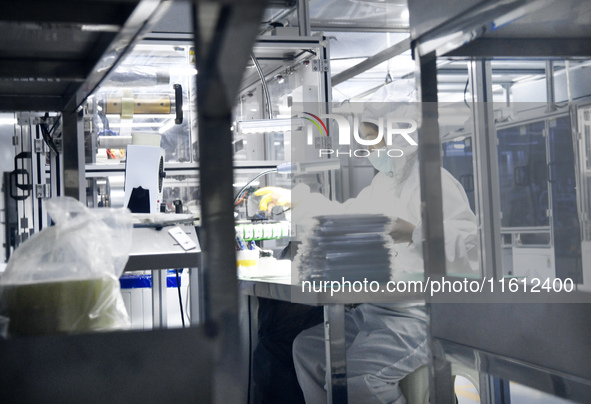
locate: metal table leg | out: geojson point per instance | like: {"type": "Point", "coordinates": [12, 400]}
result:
{"type": "Point", "coordinates": [159, 299]}
{"type": "Point", "coordinates": [336, 360]}
{"type": "Point", "coordinates": [196, 294]}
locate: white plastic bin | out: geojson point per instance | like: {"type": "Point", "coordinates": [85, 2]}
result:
{"type": "Point", "coordinates": [136, 289]}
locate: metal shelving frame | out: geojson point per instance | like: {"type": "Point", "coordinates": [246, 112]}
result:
{"type": "Point", "coordinates": [539, 344]}
{"type": "Point", "coordinates": [53, 55]}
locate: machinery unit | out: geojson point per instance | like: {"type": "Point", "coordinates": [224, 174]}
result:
{"type": "Point", "coordinates": [99, 102]}
{"type": "Point", "coordinates": [144, 174]}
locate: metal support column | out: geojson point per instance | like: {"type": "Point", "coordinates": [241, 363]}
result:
{"type": "Point", "coordinates": [196, 293]}
{"type": "Point", "coordinates": [550, 92]}
{"type": "Point", "coordinates": [224, 35]}
{"type": "Point", "coordinates": [334, 334]}
{"type": "Point", "coordinates": [430, 169]}
{"type": "Point", "coordinates": [304, 18]}
{"type": "Point", "coordinates": [494, 390]}
{"type": "Point", "coordinates": [73, 146]}
{"type": "Point", "coordinates": [488, 199]}
{"type": "Point", "coordinates": [440, 386]}
{"type": "Point", "coordinates": [488, 203]}
{"type": "Point", "coordinates": [159, 299]}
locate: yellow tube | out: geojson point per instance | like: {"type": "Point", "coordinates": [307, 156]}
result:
{"type": "Point", "coordinates": [142, 104]}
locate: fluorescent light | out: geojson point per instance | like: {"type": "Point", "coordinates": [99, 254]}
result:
{"type": "Point", "coordinates": [404, 15]}
{"type": "Point", "coordinates": [100, 27]}
{"type": "Point", "coordinates": [8, 121]}
{"type": "Point", "coordinates": [318, 166]}
{"type": "Point", "coordinates": [269, 125]}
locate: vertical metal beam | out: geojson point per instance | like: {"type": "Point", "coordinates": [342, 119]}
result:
{"type": "Point", "coordinates": [304, 18]}
{"type": "Point", "coordinates": [430, 169]}
{"type": "Point", "coordinates": [507, 88]}
{"type": "Point", "coordinates": [196, 294]}
{"type": "Point", "coordinates": [224, 35]}
{"type": "Point", "coordinates": [488, 203]}
{"type": "Point", "coordinates": [73, 146]}
{"type": "Point", "coordinates": [37, 178]}
{"type": "Point", "coordinates": [494, 390]}
{"type": "Point", "coordinates": [55, 175]}
{"type": "Point", "coordinates": [159, 299]}
{"type": "Point", "coordinates": [550, 92]}
{"type": "Point", "coordinates": [336, 360]}
{"type": "Point", "coordinates": [502, 391]}
{"type": "Point", "coordinates": [440, 386]}
{"type": "Point", "coordinates": [441, 382]}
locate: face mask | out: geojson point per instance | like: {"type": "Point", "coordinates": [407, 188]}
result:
{"type": "Point", "coordinates": [395, 167]}
{"type": "Point", "coordinates": [381, 161]}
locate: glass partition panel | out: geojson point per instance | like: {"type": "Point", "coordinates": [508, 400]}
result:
{"type": "Point", "coordinates": [149, 94]}
{"type": "Point", "coordinates": [523, 175]}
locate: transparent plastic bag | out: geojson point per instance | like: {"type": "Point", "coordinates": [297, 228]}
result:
{"type": "Point", "coordinates": [65, 279]}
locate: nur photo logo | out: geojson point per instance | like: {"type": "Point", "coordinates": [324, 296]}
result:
{"type": "Point", "coordinates": [392, 129]}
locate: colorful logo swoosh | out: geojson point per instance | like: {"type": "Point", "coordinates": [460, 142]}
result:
{"type": "Point", "coordinates": [325, 132]}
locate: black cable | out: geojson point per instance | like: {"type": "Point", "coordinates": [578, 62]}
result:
{"type": "Point", "coordinates": [273, 170]}
{"type": "Point", "coordinates": [47, 138]}
{"type": "Point", "coordinates": [47, 134]}
{"type": "Point", "coordinates": [55, 124]}
{"type": "Point", "coordinates": [465, 90]}
{"type": "Point", "coordinates": [178, 286]}
{"type": "Point", "coordinates": [280, 213]}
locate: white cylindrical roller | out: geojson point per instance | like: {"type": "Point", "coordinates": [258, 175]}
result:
{"type": "Point", "coordinates": [113, 142]}
{"type": "Point", "coordinates": [145, 139]}
{"type": "Point", "coordinates": [117, 191]}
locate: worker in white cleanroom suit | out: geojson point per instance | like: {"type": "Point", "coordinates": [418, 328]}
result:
{"type": "Point", "coordinates": [385, 342]}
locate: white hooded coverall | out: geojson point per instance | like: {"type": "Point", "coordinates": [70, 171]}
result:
{"type": "Point", "coordinates": [385, 342]}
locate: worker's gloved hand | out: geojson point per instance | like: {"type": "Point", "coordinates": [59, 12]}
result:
{"type": "Point", "coordinates": [273, 196]}
{"type": "Point", "coordinates": [401, 230]}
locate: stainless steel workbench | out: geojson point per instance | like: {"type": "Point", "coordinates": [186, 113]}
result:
{"type": "Point", "coordinates": [154, 249]}
{"type": "Point", "coordinates": [281, 288]}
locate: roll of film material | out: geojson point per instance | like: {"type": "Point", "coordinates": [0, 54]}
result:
{"type": "Point", "coordinates": [113, 142]}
